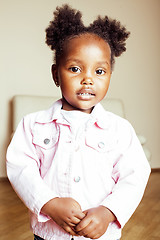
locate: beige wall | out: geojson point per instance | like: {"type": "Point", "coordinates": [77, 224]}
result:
{"type": "Point", "coordinates": [25, 61]}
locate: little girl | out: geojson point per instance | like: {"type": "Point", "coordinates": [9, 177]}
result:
{"type": "Point", "coordinates": [79, 169]}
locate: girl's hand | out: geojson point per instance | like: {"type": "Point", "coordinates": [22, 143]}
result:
{"type": "Point", "coordinates": [66, 212]}
{"type": "Point", "coordinates": [96, 222]}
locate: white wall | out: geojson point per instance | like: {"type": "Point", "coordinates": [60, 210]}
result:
{"type": "Point", "coordinates": [25, 60]}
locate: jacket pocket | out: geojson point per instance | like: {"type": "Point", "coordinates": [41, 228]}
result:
{"type": "Point", "coordinates": [45, 136]}
{"type": "Point", "coordinates": [100, 142]}
{"type": "Point", "coordinates": [45, 142]}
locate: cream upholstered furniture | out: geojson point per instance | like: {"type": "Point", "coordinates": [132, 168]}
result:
{"type": "Point", "coordinates": [23, 105]}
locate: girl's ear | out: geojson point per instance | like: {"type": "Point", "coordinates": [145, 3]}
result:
{"type": "Point", "coordinates": [55, 74]}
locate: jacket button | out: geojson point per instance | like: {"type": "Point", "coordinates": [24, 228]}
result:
{"type": "Point", "coordinates": [77, 179]}
{"type": "Point", "coordinates": [101, 145]}
{"type": "Point", "coordinates": [46, 141]}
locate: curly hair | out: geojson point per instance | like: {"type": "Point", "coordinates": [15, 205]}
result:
{"type": "Point", "coordinates": [67, 23]}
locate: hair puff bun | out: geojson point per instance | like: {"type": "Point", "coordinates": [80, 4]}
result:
{"type": "Point", "coordinates": [67, 22]}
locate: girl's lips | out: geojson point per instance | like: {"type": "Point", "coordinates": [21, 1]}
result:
{"type": "Point", "coordinates": [86, 94]}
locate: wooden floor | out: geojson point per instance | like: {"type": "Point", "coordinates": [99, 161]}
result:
{"type": "Point", "coordinates": [143, 225]}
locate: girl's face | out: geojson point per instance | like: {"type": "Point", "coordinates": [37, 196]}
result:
{"type": "Point", "coordinates": [83, 72]}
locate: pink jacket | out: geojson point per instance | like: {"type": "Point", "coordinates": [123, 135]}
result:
{"type": "Point", "coordinates": [103, 165]}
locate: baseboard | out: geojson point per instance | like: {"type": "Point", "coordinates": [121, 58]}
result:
{"type": "Point", "coordinates": [153, 170]}
{"type": "Point", "coordinates": [2, 179]}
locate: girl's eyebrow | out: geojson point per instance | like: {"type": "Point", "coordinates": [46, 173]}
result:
{"type": "Point", "coordinates": [103, 63]}
{"type": "Point", "coordinates": [73, 60]}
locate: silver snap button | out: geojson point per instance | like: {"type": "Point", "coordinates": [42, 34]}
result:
{"type": "Point", "coordinates": [101, 145]}
{"type": "Point", "coordinates": [46, 141]}
{"type": "Point", "coordinates": [77, 179]}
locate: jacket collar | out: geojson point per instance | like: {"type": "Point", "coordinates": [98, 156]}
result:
{"type": "Point", "coordinates": [99, 115]}
{"type": "Point", "coordinates": [51, 114]}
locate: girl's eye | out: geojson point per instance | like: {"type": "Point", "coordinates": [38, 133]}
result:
{"type": "Point", "coordinates": [74, 69]}
{"type": "Point", "coordinates": [100, 72]}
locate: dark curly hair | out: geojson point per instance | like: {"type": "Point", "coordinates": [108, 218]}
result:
{"type": "Point", "coordinates": [67, 23]}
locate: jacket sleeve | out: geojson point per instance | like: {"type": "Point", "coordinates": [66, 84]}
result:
{"type": "Point", "coordinates": [130, 173]}
{"type": "Point", "coordinates": [23, 170]}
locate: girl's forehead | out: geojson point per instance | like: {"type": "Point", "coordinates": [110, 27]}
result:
{"type": "Point", "coordinates": [86, 40]}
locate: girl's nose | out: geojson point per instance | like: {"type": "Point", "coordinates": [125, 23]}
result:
{"type": "Point", "coordinates": [87, 81]}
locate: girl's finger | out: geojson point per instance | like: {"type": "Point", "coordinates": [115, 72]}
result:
{"type": "Point", "coordinates": [83, 224]}
{"type": "Point", "coordinates": [69, 230]}
{"type": "Point", "coordinates": [88, 231]}
{"type": "Point", "coordinates": [74, 221]}
{"type": "Point", "coordinates": [80, 215]}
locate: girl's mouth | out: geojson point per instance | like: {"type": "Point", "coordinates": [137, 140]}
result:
{"type": "Point", "coordinates": [86, 94]}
